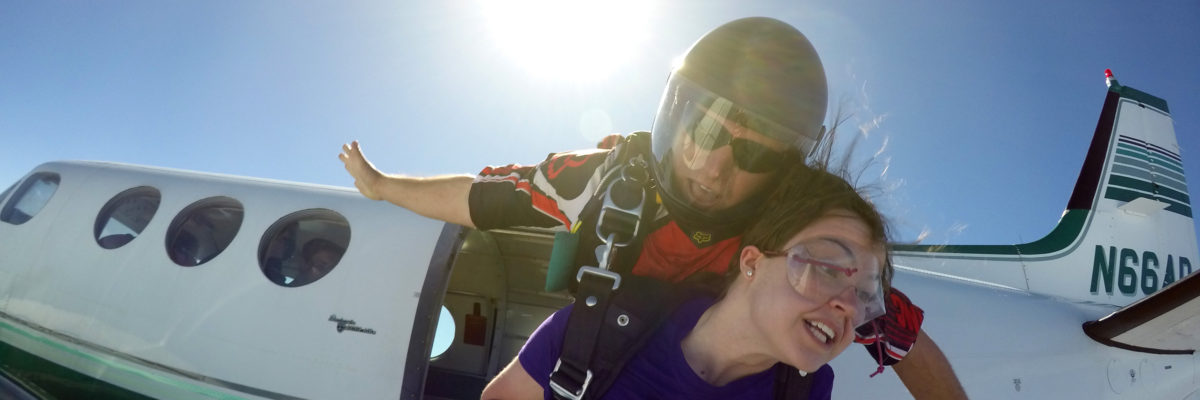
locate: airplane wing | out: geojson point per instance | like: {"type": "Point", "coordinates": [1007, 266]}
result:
{"type": "Point", "coordinates": [1166, 322]}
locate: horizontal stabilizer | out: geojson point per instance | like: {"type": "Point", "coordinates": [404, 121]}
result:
{"type": "Point", "coordinates": [1166, 322]}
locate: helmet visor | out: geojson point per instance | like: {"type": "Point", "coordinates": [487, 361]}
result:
{"type": "Point", "coordinates": [698, 133]}
{"type": "Point", "coordinates": [711, 121]}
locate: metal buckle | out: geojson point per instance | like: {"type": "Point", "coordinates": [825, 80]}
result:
{"type": "Point", "coordinates": [608, 206]}
{"type": "Point", "coordinates": [604, 252]}
{"type": "Point", "coordinates": [564, 392]}
{"type": "Point", "coordinates": [604, 273]}
{"type": "Point", "coordinates": [634, 212]}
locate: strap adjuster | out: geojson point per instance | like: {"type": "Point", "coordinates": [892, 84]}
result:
{"type": "Point", "coordinates": [603, 273]}
{"type": "Point", "coordinates": [567, 393]}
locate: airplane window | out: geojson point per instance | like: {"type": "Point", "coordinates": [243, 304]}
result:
{"type": "Point", "coordinates": [125, 216]}
{"type": "Point", "coordinates": [30, 198]}
{"type": "Point", "coordinates": [202, 230]}
{"type": "Point", "coordinates": [7, 191]}
{"type": "Point", "coordinates": [444, 335]}
{"type": "Point", "coordinates": [303, 247]}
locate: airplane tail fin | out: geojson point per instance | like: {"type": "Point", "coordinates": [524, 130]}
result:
{"type": "Point", "coordinates": [1134, 158]}
{"type": "Point", "coordinates": [1127, 231]}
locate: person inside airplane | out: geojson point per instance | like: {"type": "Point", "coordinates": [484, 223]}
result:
{"type": "Point", "coordinates": [184, 248]}
{"type": "Point", "coordinates": [280, 248]}
{"type": "Point", "coordinates": [320, 256]}
{"type": "Point", "coordinates": [811, 269]}
{"type": "Point", "coordinates": [203, 230]}
{"type": "Point", "coordinates": [747, 102]}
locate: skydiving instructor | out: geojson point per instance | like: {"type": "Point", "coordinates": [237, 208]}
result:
{"type": "Point", "coordinates": [749, 98]}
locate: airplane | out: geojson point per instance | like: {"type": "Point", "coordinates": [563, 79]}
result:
{"type": "Point", "coordinates": [124, 281]}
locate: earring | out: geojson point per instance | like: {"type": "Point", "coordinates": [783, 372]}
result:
{"type": "Point", "coordinates": [749, 272]}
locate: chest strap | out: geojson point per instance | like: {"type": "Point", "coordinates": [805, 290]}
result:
{"type": "Point", "coordinates": [619, 224]}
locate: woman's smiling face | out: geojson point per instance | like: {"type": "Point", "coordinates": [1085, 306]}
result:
{"type": "Point", "coordinates": [803, 332]}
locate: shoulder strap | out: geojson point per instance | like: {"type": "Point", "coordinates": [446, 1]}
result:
{"type": "Point", "coordinates": [790, 385]}
{"type": "Point", "coordinates": [603, 333]}
{"type": "Point", "coordinates": [636, 311]}
{"type": "Point", "coordinates": [624, 206]}
{"type": "Point", "coordinates": [615, 312]}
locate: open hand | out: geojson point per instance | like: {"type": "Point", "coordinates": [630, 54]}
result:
{"type": "Point", "coordinates": [366, 176]}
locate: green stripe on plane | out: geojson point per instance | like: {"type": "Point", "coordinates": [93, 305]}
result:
{"type": "Point", "coordinates": [1068, 229]}
{"type": "Point", "coordinates": [1176, 178]}
{"type": "Point", "coordinates": [1131, 183]}
{"type": "Point", "coordinates": [1174, 194]}
{"type": "Point", "coordinates": [1152, 155]}
{"type": "Point", "coordinates": [1132, 172]}
{"type": "Point", "coordinates": [1122, 194]}
{"type": "Point", "coordinates": [1167, 163]}
{"type": "Point", "coordinates": [1180, 209]}
{"type": "Point", "coordinates": [1141, 97]}
{"type": "Point", "coordinates": [1148, 188]}
{"type": "Point", "coordinates": [1140, 155]}
{"type": "Point", "coordinates": [102, 363]}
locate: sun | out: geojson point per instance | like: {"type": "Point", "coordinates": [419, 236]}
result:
{"type": "Point", "coordinates": [567, 39]}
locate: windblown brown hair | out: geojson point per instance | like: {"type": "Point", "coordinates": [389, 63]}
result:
{"type": "Point", "coordinates": [804, 195]}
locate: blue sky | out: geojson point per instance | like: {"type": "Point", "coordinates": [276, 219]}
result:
{"type": "Point", "coordinates": [986, 108]}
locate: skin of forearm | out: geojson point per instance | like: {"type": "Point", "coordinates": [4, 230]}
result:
{"type": "Point", "coordinates": [440, 197]}
{"type": "Point", "coordinates": [926, 372]}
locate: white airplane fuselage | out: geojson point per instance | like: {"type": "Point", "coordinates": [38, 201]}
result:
{"type": "Point", "coordinates": [122, 281]}
{"type": "Point", "coordinates": [1006, 344]}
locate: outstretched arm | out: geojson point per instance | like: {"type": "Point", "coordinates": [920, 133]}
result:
{"type": "Point", "coordinates": [926, 372]}
{"type": "Point", "coordinates": [512, 383]}
{"type": "Point", "coordinates": [441, 197]}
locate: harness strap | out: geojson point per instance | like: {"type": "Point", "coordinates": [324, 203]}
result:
{"type": "Point", "coordinates": [589, 342]}
{"type": "Point", "coordinates": [571, 375]}
{"type": "Point", "coordinates": [789, 384]}
{"type": "Point", "coordinates": [636, 310]}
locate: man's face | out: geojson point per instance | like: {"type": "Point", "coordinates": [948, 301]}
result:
{"type": "Point", "coordinates": [707, 176]}
{"type": "Point", "coordinates": [323, 261]}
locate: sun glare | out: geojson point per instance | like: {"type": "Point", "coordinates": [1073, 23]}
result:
{"type": "Point", "coordinates": [567, 39]}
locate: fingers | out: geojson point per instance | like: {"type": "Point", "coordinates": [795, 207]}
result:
{"type": "Point", "coordinates": [360, 169]}
{"type": "Point", "coordinates": [350, 150]}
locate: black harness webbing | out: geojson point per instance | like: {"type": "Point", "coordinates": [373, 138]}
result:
{"type": "Point", "coordinates": [572, 374]}
{"type": "Point", "coordinates": [623, 206]}
{"type": "Point", "coordinates": [789, 384]}
{"type": "Point", "coordinates": [616, 312]}
{"type": "Point", "coordinates": [624, 201]}
{"type": "Point", "coordinates": [636, 310]}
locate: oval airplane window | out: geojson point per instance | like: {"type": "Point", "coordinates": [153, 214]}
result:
{"type": "Point", "coordinates": [444, 335]}
{"type": "Point", "coordinates": [7, 191]}
{"type": "Point", "coordinates": [29, 199]}
{"type": "Point", "coordinates": [125, 216]}
{"type": "Point", "coordinates": [202, 230]}
{"type": "Point", "coordinates": [303, 247]}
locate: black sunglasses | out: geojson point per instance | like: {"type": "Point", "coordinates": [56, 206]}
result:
{"type": "Point", "coordinates": [748, 155]}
